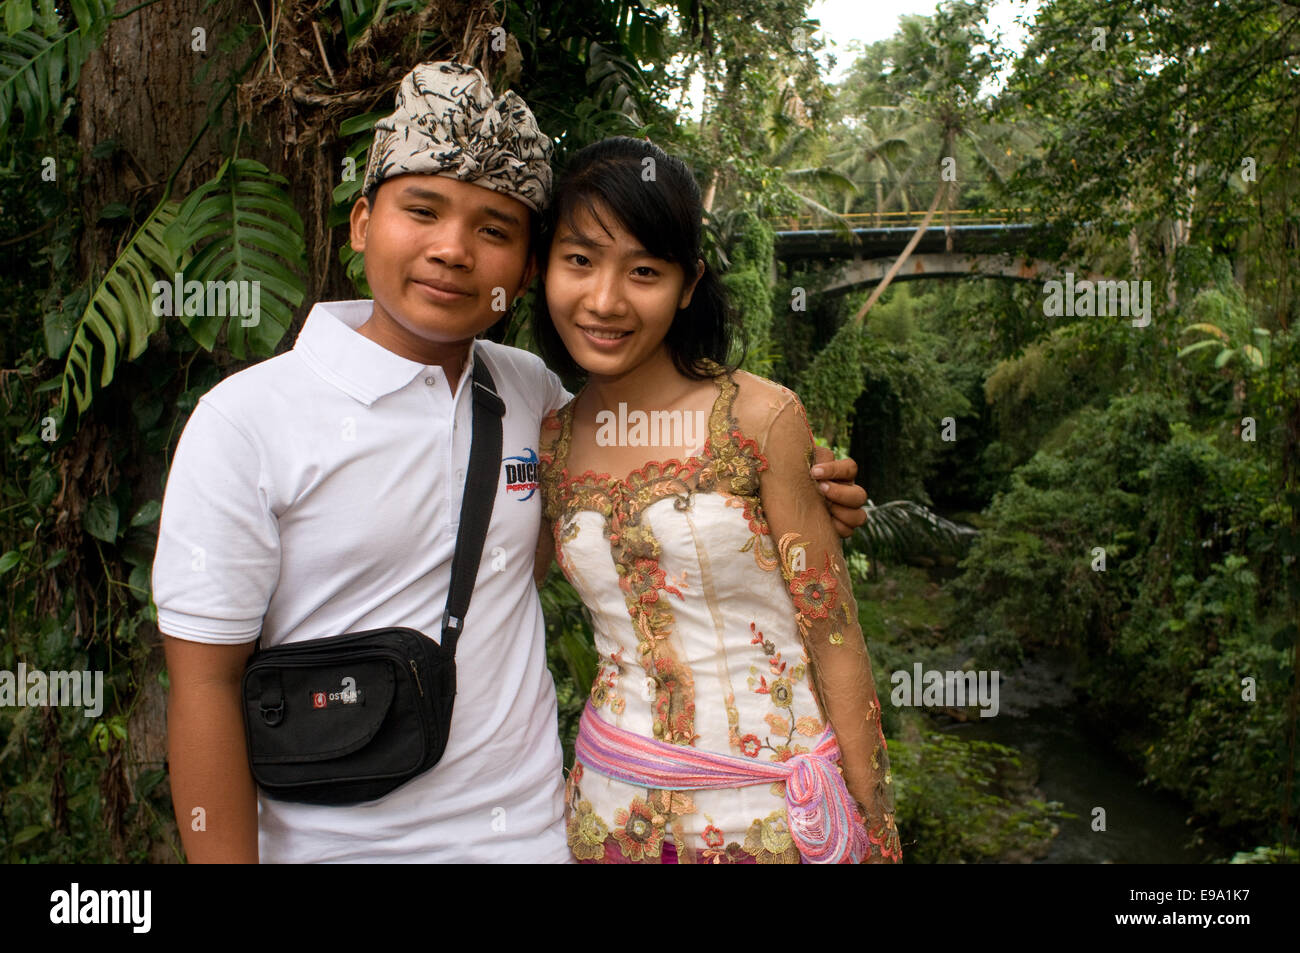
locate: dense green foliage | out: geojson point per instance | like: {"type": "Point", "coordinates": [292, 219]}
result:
{"type": "Point", "coordinates": [1170, 449]}
{"type": "Point", "coordinates": [891, 379]}
{"type": "Point", "coordinates": [749, 287]}
{"type": "Point", "coordinates": [97, 387]}
{"type": "Point", "coordinates": [963, 802]}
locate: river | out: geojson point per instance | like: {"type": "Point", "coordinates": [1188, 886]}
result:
{"type": "Point", "coordinates": [1039, 716]}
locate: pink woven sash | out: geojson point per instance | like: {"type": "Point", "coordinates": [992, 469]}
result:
{"type": "Point", "coordinates": [819, 811]}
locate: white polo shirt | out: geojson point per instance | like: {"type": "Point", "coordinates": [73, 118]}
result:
{"type": "Point", "coordinates": [318, 493]}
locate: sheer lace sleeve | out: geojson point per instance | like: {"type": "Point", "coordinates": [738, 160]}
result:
{"type": "Point", "coordinates": [548, 476]}
{"type": "Point", "coordinates": [812, 562]}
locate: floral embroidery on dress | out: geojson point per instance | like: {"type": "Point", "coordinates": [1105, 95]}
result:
{"type": "Point", "coordinates": [714, 852]}
{"type": "Point", "coordinates": [780, 692]}
{"type": "Point", "coordinates": [586, 833]}
{"type": "Point", "coordinates": [639, 831]}
{"type": "Point", "coordinates": [688, 602]}
{"type": "Point", "coordinates": [769, 840]}
{"type": "Point", "coordinates": [815, 592]}
{"type": "Point", "coordinates": [885, 838]}
{"type": "Point", "coordinates": [760, 542]}
{"type": "Point", "coordinates": [730, 457]}
{"type": "Point", "coordinates": [604, 685]}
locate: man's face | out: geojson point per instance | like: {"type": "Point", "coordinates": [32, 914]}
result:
{"type": "Point", "coordinates": [444, 258]}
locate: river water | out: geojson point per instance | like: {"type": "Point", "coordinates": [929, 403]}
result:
{"type": "Point", "coordinates": [1038, 716]}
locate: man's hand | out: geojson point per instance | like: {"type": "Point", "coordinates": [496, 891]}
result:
{"type": "Point", "coordinates": [844, 498]}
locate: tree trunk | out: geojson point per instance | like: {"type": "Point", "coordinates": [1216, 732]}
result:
{"type": "Point", "coordinates": [907, 251]}
{"type": "Point", "coordinates": [711, 192]}
{"type": "Point", "coordinates": [138, 90]}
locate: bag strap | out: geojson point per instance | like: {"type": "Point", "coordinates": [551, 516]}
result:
{"type": "Point", "coordinates": [476, 507]}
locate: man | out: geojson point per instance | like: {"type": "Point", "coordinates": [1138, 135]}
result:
{"type": "Point", "coordinates": [318, 493]}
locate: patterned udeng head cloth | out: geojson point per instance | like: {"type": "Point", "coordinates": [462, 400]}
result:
{"type": "Point", "coordinates": [447, 122]}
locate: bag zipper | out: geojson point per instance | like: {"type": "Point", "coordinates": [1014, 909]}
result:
{"type": "Point", "coordinates": [305, 659]}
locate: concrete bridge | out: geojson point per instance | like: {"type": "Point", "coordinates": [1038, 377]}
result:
{"type": "Point", "coordinates": [967, 243]}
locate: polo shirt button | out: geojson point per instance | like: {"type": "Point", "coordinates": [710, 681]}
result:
{"type": "Point", "coordinates": [429, 381]}
{"type": "Point", "coordinates": [460, 475]}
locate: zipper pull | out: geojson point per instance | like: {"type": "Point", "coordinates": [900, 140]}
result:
{"type": "Point", "coordinates": [416, 673]}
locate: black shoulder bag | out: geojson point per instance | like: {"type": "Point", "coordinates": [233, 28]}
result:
{"type": "Point", "coordinates": [346, 719]}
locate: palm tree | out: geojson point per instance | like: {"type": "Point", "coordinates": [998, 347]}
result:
{"type": "Point", "coordinates": [925, 91]}
{"type": "Point", "coordinates": [787, 133]}
{"type": "Point", "coordinates": [902, 528]}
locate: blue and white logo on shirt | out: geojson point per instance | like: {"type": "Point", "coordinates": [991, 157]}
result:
{"type": "Point", "coordinates": [521, 474]}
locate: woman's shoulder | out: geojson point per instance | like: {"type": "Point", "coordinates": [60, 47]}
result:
{"type": "Point", "coordinates": [553, 430]}
{"type": "Point", "coordinates": [758, 401]}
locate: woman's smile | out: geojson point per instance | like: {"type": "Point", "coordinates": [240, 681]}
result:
{"type": "Point", "coordinates": [604, 338]}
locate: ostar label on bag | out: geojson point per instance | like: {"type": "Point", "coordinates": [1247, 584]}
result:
{"type": "Point", "coordinates": [334, 699]}
{"type": "Point", "coordinates": [349, 694]}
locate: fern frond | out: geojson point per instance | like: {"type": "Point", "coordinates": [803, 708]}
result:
{"type": "Point", "coordinates": [239, 226]}
{"type": "Point", "coordinates": [120, 313]}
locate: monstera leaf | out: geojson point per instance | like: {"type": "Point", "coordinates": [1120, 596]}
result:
{"type": "Point", "coordinates": [38, 71]}
{"type": "Point", "coordinates": [243, 229]}
{"type": "Point", "coordinates": [226, 257]}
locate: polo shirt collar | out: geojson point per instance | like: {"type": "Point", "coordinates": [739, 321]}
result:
{"type": "Point", "coordinates": [362, 369]}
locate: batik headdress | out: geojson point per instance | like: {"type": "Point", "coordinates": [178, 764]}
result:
{"type": "Point", "coordinates": [448, 122]}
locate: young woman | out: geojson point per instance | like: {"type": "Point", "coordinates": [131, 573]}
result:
{"type": "Point", "coordinates": [733, 717]}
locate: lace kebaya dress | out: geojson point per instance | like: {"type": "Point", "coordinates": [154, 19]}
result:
{"type": "Point", "coordinates": [724, 620]}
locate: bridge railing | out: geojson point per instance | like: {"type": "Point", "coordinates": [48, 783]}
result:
{"type": "Point", "coordinates": [895, 219]}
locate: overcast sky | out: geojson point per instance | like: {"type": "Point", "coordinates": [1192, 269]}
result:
{"type": "Point", "coordinates": [845, 22]}
{"type": "Point", "coordinates": [866, 21]}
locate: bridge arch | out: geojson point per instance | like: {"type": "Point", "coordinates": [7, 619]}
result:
{"type": "Point", "coordinates": [866, 272]}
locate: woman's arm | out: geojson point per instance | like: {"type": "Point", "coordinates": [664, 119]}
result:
{"type": "Point", "coordinates": [545, 554]}
{"type": "Point", "coordinates": [813, 565]}
{"type": "Point", "coordinates": [547, 477]}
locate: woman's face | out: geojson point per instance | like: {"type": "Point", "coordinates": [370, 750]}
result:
{"type": "Point", "coordinates": [611, 301]}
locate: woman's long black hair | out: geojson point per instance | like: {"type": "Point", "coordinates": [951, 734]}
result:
{"type": "Point", "coordinates": [659, 203]}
